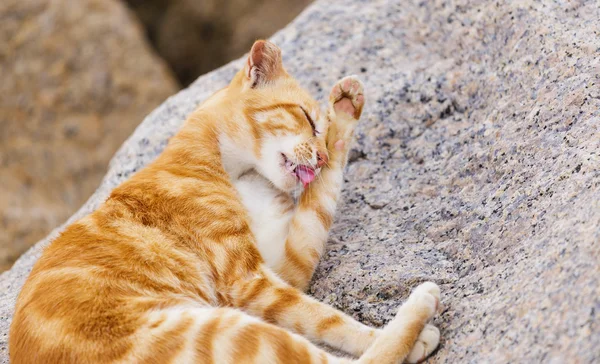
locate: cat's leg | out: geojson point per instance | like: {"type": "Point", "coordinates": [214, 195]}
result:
{"type": "Point", "coordinates": [314, 214]}
{"type": "Point", "coordinates": [267, 297]}
{"type": "Point", "coordinates": [221, 335]}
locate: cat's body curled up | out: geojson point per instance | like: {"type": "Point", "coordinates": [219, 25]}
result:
{"type": "Point", "coordinates": [201, 256]}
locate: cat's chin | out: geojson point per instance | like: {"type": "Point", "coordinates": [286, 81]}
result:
{"type": "Point", "coordinates": [280, 179]}
{"type": "Point", "coordinates": [287, 183]}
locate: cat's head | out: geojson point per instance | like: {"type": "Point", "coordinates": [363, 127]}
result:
{"type": "Point", "coordinates": [286, 123]}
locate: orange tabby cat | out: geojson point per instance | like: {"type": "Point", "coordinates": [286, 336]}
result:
{"type": "Point", "coordinates": [168, 269]}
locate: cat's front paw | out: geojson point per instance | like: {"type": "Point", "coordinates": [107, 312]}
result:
{"type": "Point", "coordinates": [346, 102]}
{"type": "Point", "coordinates": [428, 340]}
{"type": "Point", "coordinates": [347, 97]}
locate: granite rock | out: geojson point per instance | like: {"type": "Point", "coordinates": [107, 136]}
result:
{"type": "Point", "coordinates": [476, 166]}
{"type": "Point", "coordinates": [77, 77]}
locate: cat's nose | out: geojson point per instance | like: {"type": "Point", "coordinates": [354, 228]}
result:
{"type": "Point", "coordinates": [322, 159]}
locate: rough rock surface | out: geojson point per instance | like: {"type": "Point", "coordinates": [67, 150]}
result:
{"type": "Point", "coordinates": [476, 167]}
{"type": "Point", "coordinates": [77, 77]}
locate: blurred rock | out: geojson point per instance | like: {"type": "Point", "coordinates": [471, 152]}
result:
{"type": "Point", "coordinates": [476, 166]}
{"type": "Point", "coordinates": [76, 77]}
{"type": "Point", "coordinates": [197, 36]}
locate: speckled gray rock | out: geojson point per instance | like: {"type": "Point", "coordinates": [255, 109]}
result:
{"type": "Point", "coordinates": [476, 167]}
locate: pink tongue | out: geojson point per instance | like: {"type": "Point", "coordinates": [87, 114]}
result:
{"type": "Point", "coordinates": [305, 175]}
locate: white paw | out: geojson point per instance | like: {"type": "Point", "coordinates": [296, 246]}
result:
{"type": "Point", "coordinates": [425, 345]}
{"type": "Point", "coordinates": [426, 295]}
{"type": "Point", "coordinates": [347, 96]}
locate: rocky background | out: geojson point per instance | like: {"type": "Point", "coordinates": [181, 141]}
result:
{"type": "Point", "coordinates": [476, 166]}
{"type": "Point", "coordinates": [197, 36]}
{"type": "Point", "coordinates": [77, 76]}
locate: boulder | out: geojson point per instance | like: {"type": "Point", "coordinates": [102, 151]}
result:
{"type": "Point", "coordinates": [77, 78]}
{"type": "Point", "coordinates": [475, 166]}
{"type": "Point", "coordinates": [195, 37]}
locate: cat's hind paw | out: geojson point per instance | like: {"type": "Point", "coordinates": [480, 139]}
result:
{"type": "Point", "coordinates": [428, 340]}
{"type": "Point", "coordinates": [427, 296]}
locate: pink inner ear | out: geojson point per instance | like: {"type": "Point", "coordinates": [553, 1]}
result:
{"type": "Point", "coordinates": [255, 57]}
{"type": "Point", "coordinates": [256, 54]}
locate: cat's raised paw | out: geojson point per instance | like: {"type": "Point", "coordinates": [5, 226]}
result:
{"type": "Point", "coordinates": [347, 96]}
{"type": "Point", "coordinates": [428, 340]}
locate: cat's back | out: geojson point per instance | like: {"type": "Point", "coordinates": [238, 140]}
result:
{"type": "Point", "coordinates": [95, 284]}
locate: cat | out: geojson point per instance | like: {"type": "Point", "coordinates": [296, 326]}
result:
{"type": "Point", "coordinates": [173, 267]}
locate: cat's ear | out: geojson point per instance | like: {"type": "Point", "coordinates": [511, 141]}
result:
{"type": "Point", "coordinates": [264, 64]}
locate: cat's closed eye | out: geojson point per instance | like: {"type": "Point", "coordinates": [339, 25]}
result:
{"type": "Point", "coordinates": [311, 122]}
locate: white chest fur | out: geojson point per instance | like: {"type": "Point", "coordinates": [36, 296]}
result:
{"type": "Point", "coordinates": [270, 212]}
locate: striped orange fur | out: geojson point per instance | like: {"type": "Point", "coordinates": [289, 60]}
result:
{"type": "Point", "coordinates": [177, 265]}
